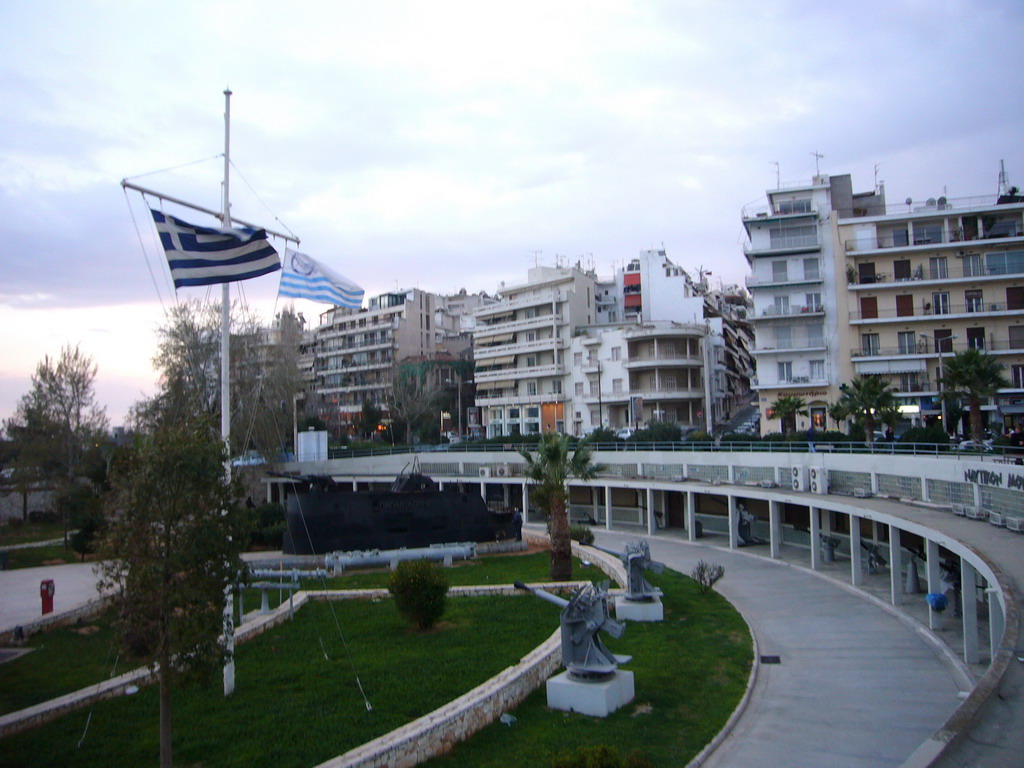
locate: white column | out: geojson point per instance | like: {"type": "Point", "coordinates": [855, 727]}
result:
{"type": "Point", "coordinates": [594, 505]}
{"type": "Point", "coordinates": [895, 566]}
{"type": "Point", "coordinates": [815, 539]}
{"type": "Point", "coordinates": [526, 503]}
{"type": "Point", "coordinates": [969, 597]}
{"type": "Point", "coordinates": [608, 507]}
{"type": "Point", "coordinates": [734, 519]}
{"type": "Point", "coordinates": [355, 484]}
{"type": "Point", "coordinates": [931, 549]}
{"type": "Point", "coordinates": [775, 528]}
{"type": "Point", "coordinates": [691, 515]}
{"type": "Point", "coordinates": [651, 524]}
{"type": "Point", "coordinates": [483, 490]}
{"type": "Point", "coordinates": [856, 562]}
{"type": "Point", "coordinates": [995, 621]}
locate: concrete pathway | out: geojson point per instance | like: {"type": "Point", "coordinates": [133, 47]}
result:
{"type": "Point", "coordinates": [856, 686]}
{"type": "Point", "coordinates": [20, 603]}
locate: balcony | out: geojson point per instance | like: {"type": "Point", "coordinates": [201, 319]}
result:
{"type": "Point", "coordinates": [783, 244]}
{"type": "Point", "coordinates": [929, 240]}
{"type": "Point", "coordinates": [816, 346]}
{"type": "Point", "coordinates": [661, 360]}
{"type": "Point", "coordinates": [755, 282]}
{"type": "Point", "coordinates": [968, 310]}
{"type": "Point", "coordinates": [965, 271]}
{"type": "Point", "coordinates": [541, 297]}
{"type": "Point", "coordinates": [777, 313]}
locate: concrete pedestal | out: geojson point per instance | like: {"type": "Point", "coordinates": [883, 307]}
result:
{"type": "Point", "coordinates": [629, 610]}
{"type": "Point", "coordinates": [597, 699]}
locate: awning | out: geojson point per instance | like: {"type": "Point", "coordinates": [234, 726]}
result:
{"type": "Point", "coordinates": [1011, 408]}
{"type": "Point", "coordinates": [484, 386]}
{"type": "Point", "coordinates": [890, 366]}
{"type": "Point", "coordinates": [481, 337]}
{"type": "Point", "coordinates": [494, 362]}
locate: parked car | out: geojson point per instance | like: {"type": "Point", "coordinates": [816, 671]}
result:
{"type": "Point", "coordinates": [625, 433]}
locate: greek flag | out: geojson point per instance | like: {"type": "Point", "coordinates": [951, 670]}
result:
{"type": "Point", "coordinates": [209, 255]}
{"type": "Point", "coordinates": [305, 278]}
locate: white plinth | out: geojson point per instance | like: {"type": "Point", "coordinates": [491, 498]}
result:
{"type": "Point", "coordinates": [597, 699]}
{"type": "Point", "coordinates": [629, 610]}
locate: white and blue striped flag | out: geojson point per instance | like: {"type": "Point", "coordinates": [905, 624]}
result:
{"type": "Point", "coordinates": [210, 255]}
{"type": "Point", "coordinates": [306, 278]}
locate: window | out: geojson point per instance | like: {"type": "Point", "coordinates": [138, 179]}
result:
{"type": "Point", "coordinates": [818, 413]}
{"type": "Point", "coordinates": [866, 273]}
{"type": "Point", "coordinates": [811, 271]}
{"type": "Point", "coordinates": [817, 370]}
{"type": "Point", "coordinates": [577, 359]}
{"type": "Point", "coordinates": [976, 338]}
{"type": "Point", "coordinates": [531, 313]}
{"type": "Point", "coordinates": [794, 236]}
{"type": "Point", "coordinates": [595, 389]}
{"type": "Point", "coordinates": [794, 206]}
{"type": "Point", "coordinates": [531, 361]}
{"type": "Point", "coordinates": [972, 265]}
{"type": "Point", "coordinates": [616, 385]}
{"type": "Point", "coordinates": [906, 342]}
{"type": "Point", "coordinates": [816, 335]}
{"type": "Point", "coordinates": [1007, 263]}
{"type": "Point", "coordinates": [940, 303]}
{"type": "Point", "coordinates": [1017, 376]}
{"type": "Point", "coordinates": [943, 340]}
{"type": "Point", "coordinates": [1017, 337]}
{"type": "Point", "coordinates": [904, 305]}
{"type": "Point", "coordinates": [616, 353]}
{"type": "Point", "coordinates": [785, 371]}
{"type": "Point", "coordinates": [927, 232]}
{"type": "Point", "coordinates": [973, 301]}
{"type": "Point", "coordinates": [1014, 297]}
{"type": "Point", "coordinates": [812, 302]}
{"type": "Point", "coordinates": [533, 412]}
{"type": "Point", "coordinates": [910, 382]}
{"type": "Point", "coordinates": [869, 344]}
{"type": "Point", "coordinates": [783, 337]}
{"type": "Point", "coordinates": [531, 335]}
{"type": "Point", "coordinates": [513, 413]}
{"type": "Point", "coordinates": [531, 388]}
{"type": "Point", "coordinates": [556, 386]}
{"type": "Point", "coordinates": [868, 307]}
{"type": "Point", "coordinates": [780, 271]}
{"type": "Point", "coordinates": [937, 269]}
{"type": "Point", "coordinates": [901, 269]}
{"type": "Point", "coordinates": [592, 357]}
{"type": "Point", "coordinates": [781, 305]}
{"type": "Point", "coordinates": [579, 389]}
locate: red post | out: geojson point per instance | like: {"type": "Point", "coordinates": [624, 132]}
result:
{"type": "Point", "coordinates": [46, 590]}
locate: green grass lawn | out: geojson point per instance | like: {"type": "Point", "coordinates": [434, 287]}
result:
{"type": "Point", "coordinates": [32, 557]}
{"type": "Point", "coordinates": [18, 532]}
{"type": "Point", "coordinates": [294, 708]}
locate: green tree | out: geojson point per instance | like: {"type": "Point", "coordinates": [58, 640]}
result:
{"type": "Point", "coordinates": [869, 401]}
{"type": "Point", "coordinates": [550, 469]}
{"type": "Point", "coordinates": [786, 409]}
{"type": "Point", "coordinates": [973, 375]}
{"type": "Point", "coordinates": [57, 422]}
{"type": "Point", "coordinates": [369, 419]}
{"type": "Point", "coordinates": [173, 548]}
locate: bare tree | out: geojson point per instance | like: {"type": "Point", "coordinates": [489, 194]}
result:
{"type": "Point", "coordinates": [414, 395]}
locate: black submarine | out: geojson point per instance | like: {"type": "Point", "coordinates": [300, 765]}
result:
{"type": "Point", "coordinates": [326, 516]}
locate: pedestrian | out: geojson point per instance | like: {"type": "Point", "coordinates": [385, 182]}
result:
{"type": "Point", "coordinates": [517, 523]}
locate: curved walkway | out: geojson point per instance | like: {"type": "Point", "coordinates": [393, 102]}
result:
{"type": "Point", "coordinates": [855, 687]}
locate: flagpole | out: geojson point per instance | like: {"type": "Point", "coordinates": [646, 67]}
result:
{"type": "Point", "coordinates": [225, 389]}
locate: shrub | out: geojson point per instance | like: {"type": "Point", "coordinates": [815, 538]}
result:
{"type": "Point", "coordinates": [933, 433]}
{"type": "Point", "coordinates": [658, 432]}
{"type": "Point", "coordinates": [43, 516]}
{"type": "Point", "coordinates": [420, 589]}
{"type": "Point", "coordinates": [700, 436]}
{"type": "Point", "coordinates": [581, 533]}
{"type": "Point", "coordinates": [600, 756]}
{"type": "Point", "coordinates": [706, 574]}
{"type": "Point", "coordinates": [267, 523]}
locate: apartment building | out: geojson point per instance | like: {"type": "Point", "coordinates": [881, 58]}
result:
{"type": "Point", "coordinates": [355, 352]}
{"type": "Point", "coordinates": [929, 278]}
{"type": "Point", "coordinates": [519, 349]}
{"type": "Point", "coordinates": [845, 284]}
{"type": "Point", "coordinates": [799, 322]}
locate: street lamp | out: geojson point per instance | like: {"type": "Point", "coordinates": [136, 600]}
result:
{"type": "Point", "coordinates": [940, 344]}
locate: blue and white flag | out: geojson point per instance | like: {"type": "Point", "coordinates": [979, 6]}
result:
{"type": "Point", "coordinates": [306, 278]}
{"type": "Point", "coordinates": [210, 255]}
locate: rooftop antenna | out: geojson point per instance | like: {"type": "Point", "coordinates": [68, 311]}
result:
{"type": "Point", "coordinates": [817, 156]}
{"type": "Point", "coordinates": [1003, 181]}
{"type": "Point", "coordinates": [536, 257]}
{"type": "Point", "coordinates": [778, 183]}
{"type": "Point", "coordinates": [877, 166]}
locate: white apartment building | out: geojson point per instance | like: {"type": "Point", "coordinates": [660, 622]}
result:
{"type": "Point", "coordinates": [519, 350]}
{"type": "Point", "coordinates": [796, 275]}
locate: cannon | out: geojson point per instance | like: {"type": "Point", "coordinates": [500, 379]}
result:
{"type": "Point", "coordinates": [873, 554]}
{"type": "Point", "coordinates": [584, 615]}
{"type": "Point", "coordinates": [636, 556]}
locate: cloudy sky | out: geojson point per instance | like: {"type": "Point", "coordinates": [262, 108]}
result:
{"type": "Point", "coordinates": [450, 145]}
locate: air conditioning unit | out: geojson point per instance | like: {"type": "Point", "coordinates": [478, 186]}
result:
{"type": "Point", "coordinates": [798, 477]}
{"type": "Point", "coordinates": [819, 480]}
{"type": "Point", "coordinates": [997, 519]}
{"type": "Point", "coordinates": [502, 470]}
{"type": "Point", "coordinates": [1015, 524]}
{"type": "Point", "coordinates": [485, 471]}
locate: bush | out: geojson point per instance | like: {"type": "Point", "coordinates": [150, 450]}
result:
{"type": "Point", "coordinates": [420, 589]}
{"type": "Point", "coordinates": [700, 436]}
{"type": "Point", "coordinates": [43, 516]}
{"type": "Point", "coordinates": [581, 533]}
{"type": "Point", "coordinates": [933, 433]}
{"type": "Point", "coordinates": [658, 432]}
{"type": "Point", "coordinates": [706, 574]}
{"type": "Point", "coordinates": [267, 523]}
{"type": "Point", "coordinates": [600, 756]}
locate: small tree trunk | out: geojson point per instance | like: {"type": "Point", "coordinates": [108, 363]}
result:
{"type": "Point", "coordinates": [561, 545]}
{"type": "Point", "coordinates": [165, 714]}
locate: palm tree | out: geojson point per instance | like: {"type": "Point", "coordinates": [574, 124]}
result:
{"type": "Point", "coordinates": [786, 408]}
{"type": "Point", "coordinates": [869, 400]}
{"type": "Point", "coordinates": [550, 469]}
{"type": "Point", "coordinates": [973, 375]}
